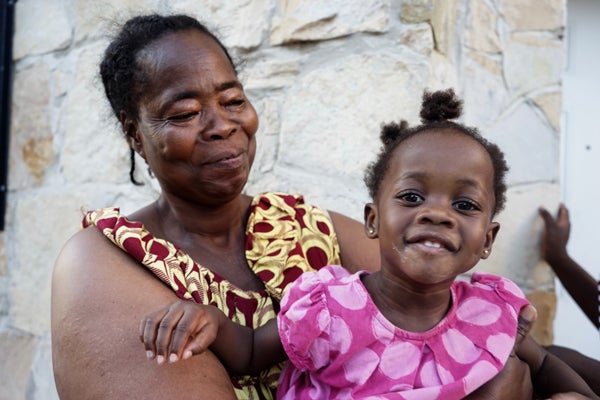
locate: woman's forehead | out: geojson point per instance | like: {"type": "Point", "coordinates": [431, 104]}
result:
{"type": "Point", "coordinates": [183, 47]}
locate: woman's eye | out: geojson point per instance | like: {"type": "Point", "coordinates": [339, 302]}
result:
{"type": "Point", "coordinates": [411, 197]}
{"type": "Point", "coordinates": [182, 117]}
{"type": "Point", "coordinates": [235, 103]}
{"type": "Point", "coordinates": [465, 205]}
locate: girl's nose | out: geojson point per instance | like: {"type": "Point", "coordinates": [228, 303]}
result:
{"type": "Point", "coordinates": [436, 214]}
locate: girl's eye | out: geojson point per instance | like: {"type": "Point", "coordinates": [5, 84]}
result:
{"type": "Point", "coordinates": [411, 197]}
{"type": "Point", "coordinates": [466, 205]}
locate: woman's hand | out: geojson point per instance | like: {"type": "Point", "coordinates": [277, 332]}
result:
{"type": "Point", "coordinates": [514, 381]}
{"type": "Point", "coordinates": [179, 330]}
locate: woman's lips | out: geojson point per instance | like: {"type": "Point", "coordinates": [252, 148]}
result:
{"type": "Point", "coordinates": [227, 162]}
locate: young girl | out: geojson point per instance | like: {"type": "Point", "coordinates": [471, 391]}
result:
{"type": "Point", "coordinates": [410, 330]}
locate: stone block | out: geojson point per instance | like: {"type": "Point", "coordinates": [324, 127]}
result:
{"type": "Point", "coordinates": [545, 304]}
{"type": "Point", "coordinates": [93, 148]}
{"type": "Point", "coordinates": [530, 15]}
{"type": "Point", "coordinates": [15, 364]}
{"type": "Point", "coordinates": [31, 140]}
{"type": "Point", "coordinates": [482, 31]}
{"type": "Point", "coordinates": [345, 102]}
{"type": "Point", "coordinates": [529, 144]}
{"type": "Point", "coordinates": [516, 250]}
{"type": "Point", "coordinates": [313, 20]}
{"type": "Point", "coordinates": [416, 11]}
{"type": "Point", "coordinates": [550, 104]}
{"type": "Point", "coordinates": [29, 39]}
{"type": "Point", "coordinates": [532, 61]}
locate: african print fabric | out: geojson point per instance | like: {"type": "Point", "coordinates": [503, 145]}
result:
{"type": "Point", "coordinates": [284, 238]}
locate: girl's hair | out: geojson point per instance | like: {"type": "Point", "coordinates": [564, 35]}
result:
{"type": "Point", "coordinates": [437, 109]}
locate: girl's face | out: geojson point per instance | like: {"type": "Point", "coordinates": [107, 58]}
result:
{"type": "Point", "coordinates": [434, 208]}
{"type": "Point", "coordinates": [196, 128]}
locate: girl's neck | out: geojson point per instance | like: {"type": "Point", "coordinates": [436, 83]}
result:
{"type": "Point", "coordinates": [409, 308]}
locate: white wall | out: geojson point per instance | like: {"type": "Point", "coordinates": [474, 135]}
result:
{"type": "Point", "coordinates": [581, 164]}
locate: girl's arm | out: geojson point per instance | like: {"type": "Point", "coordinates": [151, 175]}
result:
{"type": "Point", "coordinates": [184, 328]}
{"type": "Point", "coordinates": [550, 374]}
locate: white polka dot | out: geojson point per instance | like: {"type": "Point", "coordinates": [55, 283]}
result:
{"type": "Point", "coordinates": [319, 352]}
{"type": "Point", "coordinates": [510, 286]}
{"type": "Point", "coordinates": [422, 393]}
{"type": "Point", "coordinates": [480, 373]}
{"type": "Point", "coordinates": [399, 359]}
{"type": "Point", "coordinates": [478, 311]}
{"type": "Point", "coordinates": [429, 375]}
{"type": "Point", "coordinates": [340, 294]}
{"type": "Point", "coordinates": [501, 344]}
{"type": "Point", "coordinates": [319, 391]}
{"type": "Point", "coordinates": [296, 313]}
{"type": "Point", "coordinates": [344, 394]}
{"type": "Point", "coordinates": [446, 376]}
{"type": "Point", "coordinates": [360, 367]}
{"type": "Point", "coordinates": [342, 339]}
{"type": "Point", "coordinates": [459, 347]}
{"type": "Point", "coordinates": [323, 320]}
{"type": "Point", "coordinates": [381, 332]}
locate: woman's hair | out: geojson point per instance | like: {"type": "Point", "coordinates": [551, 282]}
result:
{"type": "Point", "coordinates": [437, 109]}
{"type": "Point", "coordinates": [123, 76]}
{"type": "Point", "coordinates": [120, 71]}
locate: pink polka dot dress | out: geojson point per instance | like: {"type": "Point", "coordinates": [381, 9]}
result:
{"type": "Point", "coordinates": [341, 347]}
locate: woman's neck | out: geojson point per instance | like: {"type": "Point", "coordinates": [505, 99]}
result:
{"type": "Point", "coordinates": [178, 218]}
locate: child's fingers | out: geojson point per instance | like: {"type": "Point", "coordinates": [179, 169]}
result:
{"type": "Point", "coordinates": [196, 328]}
{"type": "Point", "coordinates": [148, 331]}
{"type": "Point", "coordinates": [199, 343]}
{"type": "Point", "coordinates": [164, 333]}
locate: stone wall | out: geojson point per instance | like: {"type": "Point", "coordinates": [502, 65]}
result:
{"type": "Point", "coordinates": [323, 76]}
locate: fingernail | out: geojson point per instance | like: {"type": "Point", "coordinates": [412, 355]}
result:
{"type": "Point", "coordinates": [173, 357]}
{"type": "Point", "coordinates": [187, 354]}
{"type": "Point", "coordinates": [529, 314]}
{"type": "Point", "coordinates": [150, 354]}
{"type": "Point", "coordinates": [160, 359]}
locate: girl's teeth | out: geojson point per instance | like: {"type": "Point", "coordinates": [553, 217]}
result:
{"type": "Point", "coordinates": [432, 244]}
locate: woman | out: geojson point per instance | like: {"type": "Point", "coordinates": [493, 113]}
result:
{"type": "Point", "coordinates": [175, 91]}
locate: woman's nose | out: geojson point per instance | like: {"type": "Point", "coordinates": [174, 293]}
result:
{"type": "Point", "coordinates": [218, 124]}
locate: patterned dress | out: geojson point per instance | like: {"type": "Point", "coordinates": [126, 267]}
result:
{"type": "Point", "coordinates": [341, 346]}
{"type": "Point", "coordinates": [284, 238]}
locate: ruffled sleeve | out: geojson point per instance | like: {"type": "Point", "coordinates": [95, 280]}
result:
{"type": "Point", "coordinates": [488, 313]}
{"type": "Point", "coordinates": [304, 321]}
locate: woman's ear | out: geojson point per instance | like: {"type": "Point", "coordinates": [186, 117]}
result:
{"type": "Point", "coordinates": [490, 236]}
{"type": "Point", "coordinates": [130, 129]}
{"type": "Point", "coordinates": [371, 220]}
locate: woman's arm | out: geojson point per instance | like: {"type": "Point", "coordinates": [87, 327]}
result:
{"type": "Point", "coordinates": [99, 295]}
{"type": "Point", "coordinates": [358, 252]}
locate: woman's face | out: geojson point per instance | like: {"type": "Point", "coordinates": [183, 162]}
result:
{"type": "Point", "coordinates": [196, 128]}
